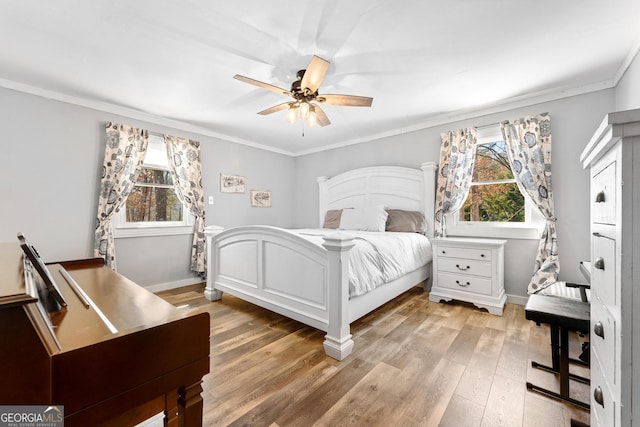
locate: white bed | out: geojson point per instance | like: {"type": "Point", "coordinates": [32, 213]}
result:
{"type": "Point", "coordinates": [288, 273]}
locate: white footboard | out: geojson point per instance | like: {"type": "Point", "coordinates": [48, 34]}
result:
{"type": "Point", "coordinates": [285, 273]}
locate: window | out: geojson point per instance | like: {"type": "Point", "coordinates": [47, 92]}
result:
{"type": "Point", "coordinates": [153, 198]}
{"type": "Point", "coordinates": [494, 195]}
{"type": "Point", "coordinates": [153, 207]}
{"type": "Point", "coordinates": [494, 207]}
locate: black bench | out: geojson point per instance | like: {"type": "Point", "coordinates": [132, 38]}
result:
{"type": "Point", "coordinates": [562, 315]}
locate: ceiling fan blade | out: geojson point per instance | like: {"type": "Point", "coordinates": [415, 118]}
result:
{"type": "Point", "coordinates": [346, 100]}
{"type": "Point", "coordinates": [275, 108]}
{"type": "Point", "coordinates": [321, 116]}
{"type": "Point", "coordinates": [262, 85]}
{"type": "Point", "coordinates": [314, 74]}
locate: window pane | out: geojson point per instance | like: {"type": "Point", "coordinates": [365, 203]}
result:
{"type": "Point", "coordinates": [494, 203]}
{"type": "Point", "coordinates": [492, 162]}
{"type": "Point", "coordinates": [147, 204]}
{"type": "Point", "coordinates": [155, 176]}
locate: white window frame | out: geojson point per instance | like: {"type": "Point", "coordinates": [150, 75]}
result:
{"type": "Point", "coordinates": [155, 158]}
{"type": "Point", "coordinates": [531, 228]}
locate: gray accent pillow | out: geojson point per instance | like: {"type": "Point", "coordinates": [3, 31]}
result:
{"type": "Point", "coordinates": [405, 221]}
{"type": "Point", "coordinates": [332, 218]}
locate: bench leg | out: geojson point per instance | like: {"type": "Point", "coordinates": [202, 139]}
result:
{"type": "Point", "coordinates": [556, 356]}
{"type": "Point", "coordinates": [563, 369]}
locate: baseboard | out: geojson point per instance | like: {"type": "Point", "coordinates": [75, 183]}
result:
{"type": "Point", "coordinates": [517, 299]}
{"type": "Point", "coordinates": [172, 285]}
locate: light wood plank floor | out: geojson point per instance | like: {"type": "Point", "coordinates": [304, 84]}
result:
{"type": "Point", "coordinates": [415, 363]}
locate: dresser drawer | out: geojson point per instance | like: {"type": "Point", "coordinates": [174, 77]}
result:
{"type": "Point", "coordinates": [603, 338]}
{"type": "Point", "coordinates": [603, 413]}
{"type": "Point", "coordinates": [464, 266]}
{"type": "Point", "coordinates": [603, 195]}
{"type": "Point", "coordinates": [479, 254]}
{"type": "Point", "coordinates": [465, 283]}
{"type": "Point", "coordinates": [603, 270]}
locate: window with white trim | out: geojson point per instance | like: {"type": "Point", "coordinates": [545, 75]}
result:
{"type": "Point", "coordinates": [153, 207]}
{"type": "Point", "coordinates": [495, 207]}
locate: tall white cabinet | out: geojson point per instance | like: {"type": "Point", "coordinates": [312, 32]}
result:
{"type": "Point", "coordinates": [613, 157]}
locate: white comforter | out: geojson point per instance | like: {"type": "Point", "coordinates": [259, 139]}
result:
{"type": "Point", "coordinates": [378, 257]}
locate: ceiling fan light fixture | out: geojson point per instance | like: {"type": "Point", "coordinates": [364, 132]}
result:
{"type": "Point", "coordinates": [304, 110]}
{"type": "Point", "coordinates": [292, 114]}
{"type": "Point", "coordinates": [311, 120]}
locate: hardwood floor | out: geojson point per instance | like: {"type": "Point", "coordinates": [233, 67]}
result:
{"type": "Point", "coordinates": [415, 363]}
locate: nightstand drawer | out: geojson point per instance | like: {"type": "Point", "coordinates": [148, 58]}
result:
{"type": "Point", "coordinates": [465, 283]}
{"type": "Point", "coordinates": [464, 266]}
{"type": "Point", "coordinates": [466, 253]}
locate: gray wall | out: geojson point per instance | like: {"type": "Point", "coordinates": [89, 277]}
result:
{"type": "Point", "coordinates": [573, 121]}
{"type": "Point", "coordinates": [52, 153]}
{"type": "Point", "coordinates": [628, 89]}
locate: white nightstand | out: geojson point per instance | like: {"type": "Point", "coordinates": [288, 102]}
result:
{"type": "Point", "coordinates": [469, 269]}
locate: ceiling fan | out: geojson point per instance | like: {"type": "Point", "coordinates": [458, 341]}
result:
{"type": "Point", "coordinates": [306, 98]}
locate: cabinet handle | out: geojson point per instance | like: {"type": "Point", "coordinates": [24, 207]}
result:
{"type": "Point", "coordinates": [481, 255]}
{"type": "Point", "coordinates": [600, 197]}
{"type": "Point", "coordinates": [462, 284]}
{"type": "Point", "coordinates": [598, 329]}
{"type": "Point", "coordinates": [444, 252]}
{"type": "Point", "coordinates": [597, 396]}
{"type": "Point", "coordinates": [599, 264]}
{"type": "Point", "coordinates": [463, 268]}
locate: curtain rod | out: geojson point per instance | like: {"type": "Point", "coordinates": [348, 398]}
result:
{"type": "Point", "coordinates": [490, 125]}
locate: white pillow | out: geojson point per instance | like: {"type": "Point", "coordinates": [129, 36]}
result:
{"type": "Point", "coordinates": [372, 218]}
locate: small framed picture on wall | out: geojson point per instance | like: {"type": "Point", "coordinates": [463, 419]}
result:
{"type": "Point", "coordinates": [232, 183]}
{"type": "Point", "coordinates": [261, 198]}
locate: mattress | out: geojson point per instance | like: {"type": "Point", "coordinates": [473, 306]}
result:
{"type": "Point", "coordinates": [378, 257]}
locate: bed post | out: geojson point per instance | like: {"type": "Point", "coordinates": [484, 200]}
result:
{"type": "Point", "coordinates": [338, 343]}
{"type": "Point", "coordinates": [210, 292]}
{"type": "Point", "coordinates": [429, 170]}
{"type": "Point", "coordinates": [322, 198]}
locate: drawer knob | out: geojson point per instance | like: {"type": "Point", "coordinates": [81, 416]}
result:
{"type": "Point", "coordinates": [444, 252]}
{"type": "Point", "coordinates": [462, 284]}
{"type": "Point", "coordinates": [481, 255]}
{"type": "Point", "coordinates": [597, 396]}
{"type": "Point", "coordinates": [599, 264]}
{"type": "Point", "coordinates": [600, 197]}
{"type": "Point", "coordinates": [463, 268]}
{"type": "Point", "coordinates": [598, 329]}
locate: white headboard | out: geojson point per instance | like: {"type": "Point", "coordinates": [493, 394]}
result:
{"type": "Point", "coordinates": [393, 186]}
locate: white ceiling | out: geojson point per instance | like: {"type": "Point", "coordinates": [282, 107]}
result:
{"type": "Point", "coordinates": [423, 62]}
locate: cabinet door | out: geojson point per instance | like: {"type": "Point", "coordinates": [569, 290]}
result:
{"type": "Point", "coordinates": [602, 399]}
{"type": "Point", "coordinates": [603, 338]}
{"type": "Point", "coordinates": [603, 270]}
{"type": "Point", "coordinates": [603, 195]}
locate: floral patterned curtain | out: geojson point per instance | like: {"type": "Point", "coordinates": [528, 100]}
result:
{"type": "Point", "coordinates": [529, 149]}
{"type": "Point", "coordinates": [123, 157]}
{"type": "Point", "coordinates": [457, 157]}
{"type": "Point", "coordinates": [184, 163]}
